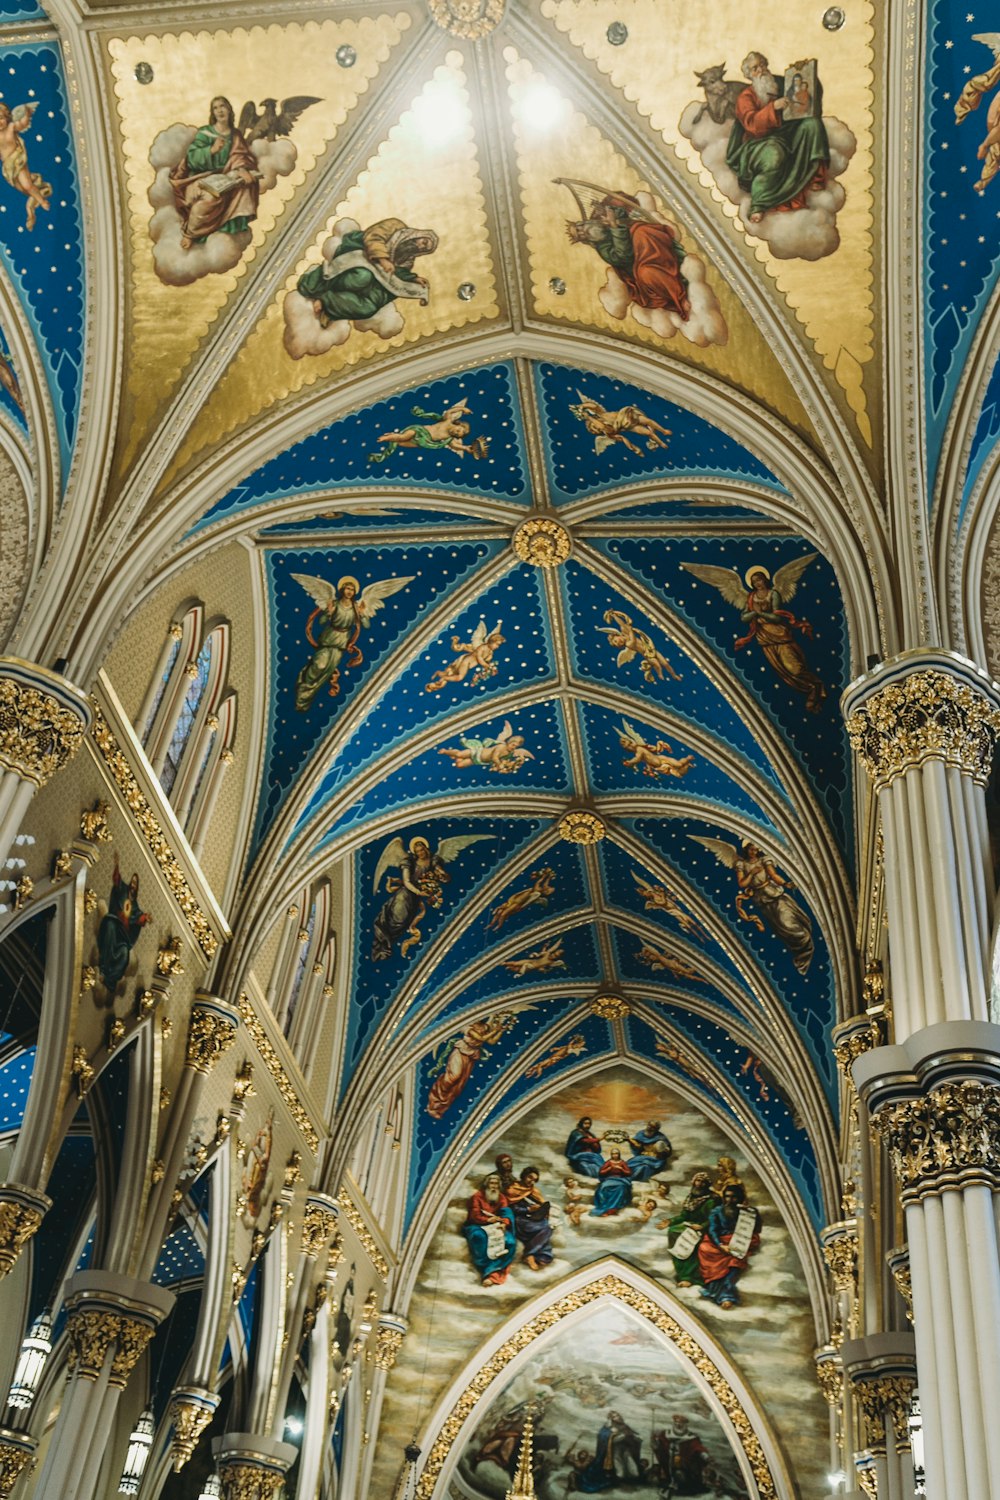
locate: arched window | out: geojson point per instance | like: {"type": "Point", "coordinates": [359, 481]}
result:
{"type": "Point", "coordinates": [170, 680]}
{"type": "Point", "coordinates": [198, 674]}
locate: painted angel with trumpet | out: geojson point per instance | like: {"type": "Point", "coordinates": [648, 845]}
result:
{"type": "Point", "coordinates": [340, 615]}
{"type": "Point", "coordinates": [422, 873]}
{"type": "Point", "coordinates": [763, 896]}
{"type": "Point", "coordinates": [762, 602]}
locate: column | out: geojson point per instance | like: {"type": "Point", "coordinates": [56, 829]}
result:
{"type": "Point", "coordinates": [17, 1456]}
{"type": "Point", "coordinates": [43, 719]}
{"type": "Point", "coordinates": [882, 1372]}
{"type": "Point", "coordinates": [111, 1319]}
{"type": "Point", "coordinates": [925, 726]}
{"type": "Point", "coordinates": [252, 1467]}
{"type": "Point", "coordinates": [390, 1331]}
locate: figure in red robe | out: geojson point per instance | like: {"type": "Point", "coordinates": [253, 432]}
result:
{"type": "Point", "coordinates": [645, 253]}
{"type": "Point", "coordinates": [720, 1271]}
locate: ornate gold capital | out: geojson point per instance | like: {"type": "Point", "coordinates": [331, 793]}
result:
{"type": "Point", "coordinates": [210, 1036]}
{"type": "Point", "coordinates": [898, 1261]}
{"type": "Point", "coordinates": [133, 1336]}
{"type": "Point", "coordinates": [191, 1411]}
{"type": "Point", "coordinates": [242, 1479]}
{"type": "Point", "coordinates": [38, 733]}
{"type": "Point", "coordinates": [17, 1452]}
{"type": "Point", "coordinates": [864, 1467]}
{"type": "Point", "coordinates": [929, 715]}
{"type": "Point", "coordinates": [317, 1226]}
{"type": "Point", "coordinates": [468, 19]}
{"type": "Point", "coordinates": [840, 1251]}
{"type": "Point", "coordinates": [92, 1331]}
{"type": "Point", "coordinates": [540, 540]}
{"type": "Point", "coordinates": [389, 1336]}
{"type": "Point", "coordinates": [947, 1138]}
{"type": "Point", "coordinates": [581, 827]}
{"type": "Point", "coordinates": [21, 1212]}
{"type": "Point", "coordinates": [854, 1038]}
{"type": "Point", "coordinates": [610, 1007]}
{"type": "Point", "coordinates": [885, 1398]}
{"type": "Point", "coordinates": [830, 1374]}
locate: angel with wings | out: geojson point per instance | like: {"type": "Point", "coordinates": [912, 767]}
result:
{"type": "Point", "coordinates": [342, 614]}
{"type": "Point", "coordinates": [763, 896]}
{"type": "Point", "coordinates": [422, 873]}
{"type": "Point", "coordinates": [635, 645]}
{"type": "Point", "coordinates": [661, 898]}
{"type": "Point", "coordinates": [761, 601]}
{"type": "Point", "coordinates": [505, 753]}
{"type": "Point", "coordinates": [970, 99]}
{"type": "Point", "coordinates": [653, 760]}
{"type": "Point", "coordinates": [14, 158]}
{"type": "Point", "coordinates": [474, 656]}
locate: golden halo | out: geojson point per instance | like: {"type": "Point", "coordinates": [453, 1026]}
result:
{"type": "Point", "coordinates": [348, 579]}
{"type": "Point", "coordinates": [755, 568]}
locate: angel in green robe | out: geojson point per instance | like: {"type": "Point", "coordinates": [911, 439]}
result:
{"type": "Point", "coordinates": [340, 616]}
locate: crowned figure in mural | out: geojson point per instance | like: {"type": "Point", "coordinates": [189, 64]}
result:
{"type": "Point", "coordinates": [489, 1231]}
{"type": "Point", "coordinates": [652, 1151]}
{"type": "Point", "coordinates": [763, 896]}
{"type": "Point", "coordinates": [340, 615]}
{"type": "Point", "coordinates": [120, 928]}
{"type": "Point", "coordinates": [422, 873]}
{"type": "Point", "coordinates": [363, 273]}
{"type": "Point", "coordinates": [762, 602]}
{"type": "Point", "coordinates": [614, 1187]}
{"type": "Point", "coordinates": [14, 159]}
{"type": "Point", "coordinates": [681, 1458]}
{"type": "Point", "coordinates": [583, 1148]}
{"type": "Point", "coordinates": [732, 1236]}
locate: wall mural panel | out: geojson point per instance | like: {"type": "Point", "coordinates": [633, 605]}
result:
{"type": "Point", "coordinates": [651, 1180]}
{"type": "Point", "coordinates": [631, 1422]}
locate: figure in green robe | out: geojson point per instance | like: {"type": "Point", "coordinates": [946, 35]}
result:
{"type": "Point", "coordinates": [695, 1211]}
{"type": "Point", "coordinates": [369, 269]}
{"type": "Point", "coordinates": [216, 183]}
{"type": "Point", "coordinates": [776, 161]}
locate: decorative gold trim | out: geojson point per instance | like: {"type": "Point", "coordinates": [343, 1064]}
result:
{"type": "Point", "coordinates": [21, 1212]}
{"type": "Point", "coordinates": [210, 1036]}
{"type": "Point", "coordinates": [149, 826]}
{"type": "Point", "coordinates": [946, 1139]}
{"type": "Point", "coordinates": [191, 1410]}
{"type": "Point", "coordinates": [17, 1452]}
{"type": "Point", "coordinates": [468, 19]}
{"type": "Point", "coordinates": [606, 1286]}
{"type": "Point", "coordinates": [542, 542]}
{"type": "Point", "coordinates": [579, 826]}
{"type": "Point", "coordinates": [272, 1061]}
{"type": "Point", "coordinates": [830, 1374]}
{"type": "Point", "coordinates": [352, 1214]}
{"type": "Point", "coordinates": [929, 715]}
{"type": "Point", "coordinates": [38, 734]}
{"type": "Point", "coordinates": [610, 1007]}
{"type": "Point", "coordinates": [840, 1251]}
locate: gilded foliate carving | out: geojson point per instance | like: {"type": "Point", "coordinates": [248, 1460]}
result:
{"type": "Point", "coordinates": [496, 1367]}
{"type": "Point", "coordinates": [830, 1374]}
{"type": "Point", "coordinates": [243, 1480]}
{"type": "Point", "coordinates": [272, 1061]}
{"type": "Point", "coordinates": [83, 1073]}
{"type": "Point", "coordinates": [133, 1336]}
{"type": "Point", "coordinates": [92, 1332]}
{"type": "Point", "coordinates": [946, 1138]}
{"type": "Point", "coordinates": [189, 1417]}
{"type": "Point", "coordinates": [94, 824]}
{"type": "Point", "coordinates": [210, 1035]}
{"type": "Point", "coordinates": [18, 1222]}
{"type": "Point", "coordinates": [317, 1226]}
{"type": "Point", "coordinates": [886, 1399]}
{"type": "Point", "coordinates": [610, 1007]}
{"type": "Point", "coordinates": [854, 1044]}
{"type": "Point", "coordinates": [168, 959]}
{"type": "Point", "coordinates": [868, 1479]}
{"type": "Point", "coordinates": [353, 1216]}
{"type": "Point", "coordinates": [388, 1342]}
{"type": "Point", "coordinates": [468, 19]}
{"type": "Point", "coordinates": [541, 540]}
{"type": "Point", "coordinates": [841, 1256]}
{"type": "Point", "coordinates": [15, 1457]}
{"type": "Point", "coordinates": [38, 735]}
{"type": "Point", "coordinates": [898, 1262]}
{"type": "Point", "coordinates": [929, 715]}
{"type": "Point", "coordinates": [581, 827]}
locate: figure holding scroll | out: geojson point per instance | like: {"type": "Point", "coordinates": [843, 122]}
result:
{"type": "Point", "coordinates": [732, 1236]}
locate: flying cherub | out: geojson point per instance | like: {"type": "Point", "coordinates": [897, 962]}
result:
{"type": "Point", "coordinates": [610, 427]}
{"type": "Point", "coordinates": [658, 958]}
{"type": "Point", "coordinates": [541, 961]}
{"type": "Point", "coordinates": [970, 99]}
{"type": "Point", "coordinates": [635, 644]}
{"type": "Point", "coordinates": [761, 600]}
{"type": "Point", "coordinates": [504, 754]}
{"type": "Point", "coordinates": [475, 656]}
{"type": "Point", "coordinates": [435, 430]}
{"type": "Point", "coordinates": [654, 760]}
{"type": "Point", "coordinates": [270, 121]}
{"type": "Point", "coordinates": [661, 898]}
{"type": "Point", "coordinates": [343, 612]}
{"type": "Point", "coordinates": [14, 158]}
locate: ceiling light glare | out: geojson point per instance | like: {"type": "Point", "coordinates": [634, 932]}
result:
{"type": "Point", "coordinates": [438, 113]}
{"type": "Point", "coordinates": [541, 107]}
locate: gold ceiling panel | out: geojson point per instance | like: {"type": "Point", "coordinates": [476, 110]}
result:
{"type": "Point", "coordinates": [165, 87]}
{"type": "Point", "coordinates": [570, 175]}
{"type": "Point", "coordinates": [425, 177]}
{"type": "Point", "coordinates": [655, 68]}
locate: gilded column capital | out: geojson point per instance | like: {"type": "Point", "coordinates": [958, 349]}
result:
{"type": "Point", "coordinates": [852, 1038]}
{"type": "Point", "coordinates": [252, 1467]}
{"type": "Point", "coordinates": [21, 1211]}
{"type": "Point", "coordinates": [17, 1452]}
{"type": "Point", "coordinates": [318, 1224]}
{"type": "Point", "coordinates": [91, 1332]}
{"type": "Point", "coordinates": [390, 1332]}
{"type": "Point", "coordinates": [885, 1402]}
{"type": "Point", "coordinates": [840, 1251]}
{"type": "Point", "coordinates": [946, 1138]}
{"type": "Point", "coordinates": [110, 1316]}
{"type": "Point", "coordinates": [43, 719]}
{"type": "Point", "coordinates": [191, 1410]}
{"type": "Point", "coordinates": [921, 708]}
{"type": "Point", "coordinates": [133, 1336]}
{"type": "Point", "coordinates": [830, 1373]}
{"type": "Point", "coordinates": [898, 1261]}
{"type": "Point", "coordinates": [211, 1032]}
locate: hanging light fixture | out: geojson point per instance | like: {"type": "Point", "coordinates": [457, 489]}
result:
{"type": "Point", "coordinates": [139, 1445]}
{"type": "Point", "coordinates": [35, 1350]}
{"type": "Point", "coordinates": [408, 1483]}
{"type": "Point", "coordinates": [212, 1488]}
{"type": "Point", "coordinates": [916, 1426]}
